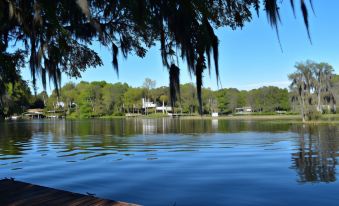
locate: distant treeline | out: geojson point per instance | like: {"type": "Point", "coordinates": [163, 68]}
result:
{"type": "Point", "coordinates": [95, 99]}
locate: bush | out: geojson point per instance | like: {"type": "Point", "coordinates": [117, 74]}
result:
{"type": "Point", "coordinates": [313, 114]}
{"type": "Point", "coordinates": [118, 114]}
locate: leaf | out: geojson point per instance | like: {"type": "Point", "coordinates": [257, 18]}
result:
{"type": "Point", "coordinates": [312, 7]}
{"type": "Point", "coordinates": [198, 76]}
{"type": "Point", "coordinates": [293, 7]}
{"type": "Point", "coordinates": [305, 16]}
{"type": "Point", "coordinates": [115, 58]}
{"type": "Point", "coordinates": [174, 79]}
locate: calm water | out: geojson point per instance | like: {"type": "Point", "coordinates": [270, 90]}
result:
{"type": "Point", "coordinates": [177, 162]}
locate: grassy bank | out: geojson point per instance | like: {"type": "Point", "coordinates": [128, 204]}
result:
{"type": "Point", "coordinates": [324, 119]}
{"type": "Point", "coordinates": [246, 117]}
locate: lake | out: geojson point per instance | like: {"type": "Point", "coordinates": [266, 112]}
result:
{"type": "Point", "coordinates": [177, 161]}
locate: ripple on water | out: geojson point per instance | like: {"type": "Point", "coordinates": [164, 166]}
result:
{"type": "Point", "coordinates": [235, 163]}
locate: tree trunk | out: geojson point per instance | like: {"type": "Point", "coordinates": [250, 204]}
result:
{"type": "Point", "coordinates": [163, 107]}
{"type": "Point", "coordinates": [303, 109]}
{"type": "Point", "coordinates": [319, 107]}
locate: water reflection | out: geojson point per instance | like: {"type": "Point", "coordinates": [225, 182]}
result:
{"type": "Point", "coordinates": [314, 148]}
{"type": "Point", "coordinates": [315, 158]}
{"type": "Point", "coordinates": [12, 139]}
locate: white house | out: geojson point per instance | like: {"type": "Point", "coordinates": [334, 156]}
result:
{"type": "Point", "coordinates": [164, 108]}
{"type": "Point", "coordinates": [215, 114]}
{"type": "Point", "coordinates": [59, 104]}
{"type": "Point", "coordinates": [243, 110]}
{"type": "Point", "coordinates": [146, 104]}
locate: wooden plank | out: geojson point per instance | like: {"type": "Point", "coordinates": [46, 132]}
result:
{"type": "Point", "coordinates": [20, 193]}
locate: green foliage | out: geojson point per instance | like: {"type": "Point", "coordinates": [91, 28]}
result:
{"type": "Point", "coordinates": [92, 99]}
{"type": "Point", "coordinates": [313, 114]}
{"type": "Point", "coordinates": [15, 99]}
{"type": "Point", "coordinates": [56, 35]}
{"type": "Point", "coordinates": [269, 99]}
{"type": "Point", "coordinates": [188, 98]}
{"type": "Point", "coordinates": [312, 88]}
{"type": "Point", "coordinates": [132, 99]}
{"type": "Point", "coordinates": [264, 99]}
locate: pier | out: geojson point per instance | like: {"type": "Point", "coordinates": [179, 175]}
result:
{"type": "Point", "coordinates": [20, 193]}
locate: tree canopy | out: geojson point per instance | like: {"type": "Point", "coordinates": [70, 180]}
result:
{"type": "Point", "coordinates": [56, 35]}
{"type": "Point", "coordinates": [312, 86]}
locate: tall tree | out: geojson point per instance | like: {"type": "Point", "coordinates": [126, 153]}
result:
{"type": "Point", "coordinates": [323, 73]}
{"type": "Point", "coordinates": [148, 85]}
{"type": "Point", "coordinates": [311, 84]}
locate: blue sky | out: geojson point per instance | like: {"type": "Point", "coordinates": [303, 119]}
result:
{"type": "Point", "coordinates": [249, 58]}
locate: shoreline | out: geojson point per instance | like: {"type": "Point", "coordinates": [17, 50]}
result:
{"type": "Point", "coordinates": [295, 119]}
{"type": "Point", "coordinates": [324, 119]}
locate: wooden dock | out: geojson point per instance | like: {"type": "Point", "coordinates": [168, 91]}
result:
{"type": "Point", "coordinates": [18, 193]}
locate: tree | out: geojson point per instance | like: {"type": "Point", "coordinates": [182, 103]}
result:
{"type": "Point", "coordinates": [223, 102]}
{"type": "Point", "coordinates": [300, 90]}
{"type": "Point", "coordinates": [68, 93]}
{"type": "Point", "coordinates": [310, 83]}
{"type": "Point", "coordinates": [163, 99]}
{"type": "Point", "coordinates": [228, 100]}
{"type": "Point", "coordinates": [148, 85]}
{"type": "Point", "coordinates": [335, 88]}
{"type": "Point", "coordinates": [118, 91]}
{"type": "Point", "coordinates": [15, 99]}
{"type": "Point", "coordinates": [268, 99]}
{"type": "Point", "coordinates": [10, 65]}
{"type": "Point", "coordinates": [323, 73]}
{"type": "Point", "coordinates": [188, 98]}
{"type": "Point", "coordinates": [56, 34]}
{"type": "Point", "coordinates": [209, 100]}
{"type": "Point", "coordinates": [132, 99]}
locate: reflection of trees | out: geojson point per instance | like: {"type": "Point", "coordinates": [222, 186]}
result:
{"type": "Point", "coordinates": [13, 138]}
{"type": "Point", "coordinates": [235, 126]}
{"type": "Point", "coordinates": [116, 133]}
{"type": "Point", "coordinates": [315, 159]}
{"type": "Point", "coordinates": [98, 133]}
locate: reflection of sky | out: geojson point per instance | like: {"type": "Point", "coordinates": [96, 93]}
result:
{"type": "Point", "coordinates": [153, 165]}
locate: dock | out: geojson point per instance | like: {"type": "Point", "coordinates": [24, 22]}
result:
{"type": "Point", "coordinates": [18, 193]}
